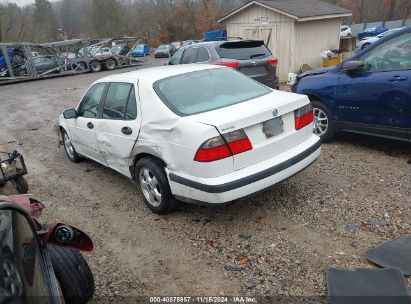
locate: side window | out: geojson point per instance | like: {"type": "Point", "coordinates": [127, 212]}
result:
{"type": "Point", "coordinates": [177, 57]}
{"type": "Point", "coordinates": [120, 98]}
{"type": "Point", "coordinates": [394, 54]}
{"type": "Point", "coordinates": [203, 55]}
{"type": "Point", "coordinates": [189, 56]}
{"type": "Point", "coordinates": [90, 104]}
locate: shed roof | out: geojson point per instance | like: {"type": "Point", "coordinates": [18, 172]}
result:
{"type": "Point", "coordinates": [302, 10]}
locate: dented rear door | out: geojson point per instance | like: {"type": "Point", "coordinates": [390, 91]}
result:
{"type": "Point", "coordinates": [119, 127]}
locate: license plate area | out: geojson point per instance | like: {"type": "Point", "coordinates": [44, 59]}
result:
{"type": "Point", "coordinates": [273, 127]}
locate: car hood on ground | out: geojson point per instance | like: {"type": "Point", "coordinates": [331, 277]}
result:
{"type": "Point", "coordinates": [315, 72]}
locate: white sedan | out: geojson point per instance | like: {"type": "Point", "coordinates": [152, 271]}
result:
{"type": "Point", "coordinates": [195, 133]}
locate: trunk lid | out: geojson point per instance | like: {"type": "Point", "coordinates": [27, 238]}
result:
{"type": "Point", "coordinates": [256, 118]}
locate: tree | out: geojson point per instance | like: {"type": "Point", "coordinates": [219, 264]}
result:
{"type": "Point", "coordinates": [45, 21]}
{"type": "Point", "coordinates": [70, 17]}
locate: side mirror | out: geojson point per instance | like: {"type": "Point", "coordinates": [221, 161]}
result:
{"type": "Point", "coordinates": [352, 66]}
{"type": "Point", "coordinates": [69, 114]}
{"type": "Point", "coordinates": [63, 235]}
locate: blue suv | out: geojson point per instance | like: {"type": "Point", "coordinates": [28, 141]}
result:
{"type": "Point", "coordinates": [369, 93]}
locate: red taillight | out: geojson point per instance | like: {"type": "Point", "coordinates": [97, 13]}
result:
{"type": "Point", "coordinates": [272, 61]}
{"type": "Point", "coordinates": [229, 64]}
{"type": "Point", "coordinates": [216, 148]}
{"type": "Point", "coordinates": [303, 116]}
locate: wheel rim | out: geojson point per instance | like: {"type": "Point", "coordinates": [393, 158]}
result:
{"type": "Point", "coordinates": [95, 66]}
{"type": "Point", "coordinates": [320, 122]}
{"type": "Point", "coordinates": [11, 279]}
{"type": "Point", "coordinates": [150, 187]}
{"type": "Point", "coordinates": [68, 146]}
{"type": "Point", "coordinates": [110, 64]}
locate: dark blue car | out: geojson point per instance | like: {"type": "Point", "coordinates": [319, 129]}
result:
{"type": "Point", "coordinates": [15, 56]}
{"type": "Point", "coordinates": [372, 32]}
{"type": "Point", "coordinates": [369, 93]}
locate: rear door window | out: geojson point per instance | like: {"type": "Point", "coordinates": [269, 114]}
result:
{"type": "Point", "coordinates": [243, 50]}
{"type": "Point", "coordinates": [189, 56]}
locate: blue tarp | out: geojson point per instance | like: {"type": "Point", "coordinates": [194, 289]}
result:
{"type": "Point", "coordinates": [219, 35]}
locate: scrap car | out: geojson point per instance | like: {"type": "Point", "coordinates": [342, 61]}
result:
{"type": "Point", "coordinates": [41, 263]}
{"type": "Point", "coordinates": [171, 130]}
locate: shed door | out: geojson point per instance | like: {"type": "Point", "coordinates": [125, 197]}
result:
{"type": "Point", "coordinates": [265, 33]}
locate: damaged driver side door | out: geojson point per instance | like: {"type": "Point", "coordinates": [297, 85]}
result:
{"type": "Point", "coordinates": [119, 127]}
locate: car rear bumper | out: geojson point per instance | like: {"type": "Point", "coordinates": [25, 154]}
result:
{"type": "Point", "coordinates": [247, 181]}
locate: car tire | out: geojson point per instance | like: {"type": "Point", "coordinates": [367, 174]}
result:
{"type": "Point", "coordinates": [17, 59]}
{"type": "Point", "coordinates": [323, 121]}
{"type": "Point", "coordinates": [69, 148]}
{"type": "Point", "coordinates": [365, 45]}
{"type": "Point", "coordinates": [95, 66]}
{"type": "Point", "coordinates": [73, 274]}
{"type": "Point", "coordinates": [109, 65]}
{"type": "Point", "coordinates": [10, 277]}
{"type": "Point", "coordinates": [153, 185]}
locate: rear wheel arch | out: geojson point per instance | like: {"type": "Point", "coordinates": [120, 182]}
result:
{"type": "Point", "coordinates": [141, 156]}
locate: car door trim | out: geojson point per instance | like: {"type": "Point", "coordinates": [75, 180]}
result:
{"type": "Point", "coordinates": [246, 180]}
{"type": "Point", "coordinates": [375, 130]}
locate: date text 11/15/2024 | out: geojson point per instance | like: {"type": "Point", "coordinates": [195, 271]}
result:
{"type": "Point", "coordinates": [219, 299]}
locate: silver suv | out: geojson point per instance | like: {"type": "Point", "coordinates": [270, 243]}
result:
{"type": "Point", "coordinates": [250, 57]}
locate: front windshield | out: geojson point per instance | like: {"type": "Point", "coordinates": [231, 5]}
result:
{"type": "Point", "coordinates": [164, 46]}
{"type": "Point", "coordinates": [207, 90]}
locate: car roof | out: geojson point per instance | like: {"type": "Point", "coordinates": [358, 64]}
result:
{"type": "Point", "coordinates": [157, 73]}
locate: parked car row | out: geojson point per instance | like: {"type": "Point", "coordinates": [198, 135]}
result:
{"type": "Point", "coordinates": [169, 49]}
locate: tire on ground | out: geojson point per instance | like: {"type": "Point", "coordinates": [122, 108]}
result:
{"type": "Point", "coordinates": [330, 133]}
{"type": "Point", "coordinates": [73, 274]}
{"type": "Point", "coordinates": [168, 203]}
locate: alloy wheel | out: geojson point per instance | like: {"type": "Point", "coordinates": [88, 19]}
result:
{"type": "Point", "coordinates": [11, 279]}
{"type": "Point", "coordinates": [320, 122]}
{"type": "Point", "coordinates": [68, 145]}
{"type": "Point", "coordinates": [150, 187]}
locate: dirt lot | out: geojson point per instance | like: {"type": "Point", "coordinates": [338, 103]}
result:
{"type": "Point", "coordinates": [285, 238]}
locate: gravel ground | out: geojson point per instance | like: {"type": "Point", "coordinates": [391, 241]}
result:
{"type": "Point", "coordinates": [274, 244]}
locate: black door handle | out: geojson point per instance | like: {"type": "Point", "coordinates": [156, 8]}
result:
{"type": "Point", "coordinates": [127, 131]}
{"type": "Point", "coordinates": [90, 125]}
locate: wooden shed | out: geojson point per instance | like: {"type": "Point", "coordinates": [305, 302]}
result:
{"type": "Point", "coordinates": [296, 31]}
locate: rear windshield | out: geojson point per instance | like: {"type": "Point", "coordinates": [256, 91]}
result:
{"type": "Point", "coordinates": [207, 90]}
{"type": "Point", "coordinates": [243, 50]}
